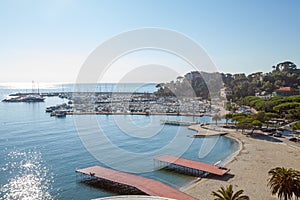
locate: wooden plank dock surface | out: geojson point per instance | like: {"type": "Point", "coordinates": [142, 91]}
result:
{"type": "Point", "coordinates": [213, 169]}
{"type": "Point", "coordinates": [146, 185]}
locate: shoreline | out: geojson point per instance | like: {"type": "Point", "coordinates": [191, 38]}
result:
{"type": "Point", "coordinates": [249, 167]}
{"type": "Point", "coordinates": [224, 162]}
{"type": "Point", "coordinates": [237, 152]}
{"type": "Point", "coordinates": [229, 134]}
{"type": "Point", "coordinates": [204, 131]}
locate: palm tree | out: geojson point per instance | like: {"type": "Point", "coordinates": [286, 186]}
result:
{"type": "Point", "coordinates": [285, 182]}
{"type": "Point", "coordinates": [228, 194]}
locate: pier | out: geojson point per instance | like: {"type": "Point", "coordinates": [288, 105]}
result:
{"type": "Point", "coordinates": [205, 131]}
{"type": "Point", "coordinates": [178, 122]}
{"type": "Point", "coordinates": [145, 185]}
{"type": "Point", "coordinates": [193, 165]}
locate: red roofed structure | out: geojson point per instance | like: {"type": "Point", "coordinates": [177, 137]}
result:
{"type": "Point", "coordinates": [191, 164]}
{"type": "Point", "coordinates": [145, 185]}
{"type": "Point", "coordinates": [285, 91]}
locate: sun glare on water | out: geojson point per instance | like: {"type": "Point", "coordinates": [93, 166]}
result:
{"type": "Point", "coordinates": [30, 178]}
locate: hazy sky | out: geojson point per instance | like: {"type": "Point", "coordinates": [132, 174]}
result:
{"type": "Point", "coordinates": [48, 41]}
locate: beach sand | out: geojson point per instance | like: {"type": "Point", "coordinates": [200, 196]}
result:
{"type": "Point", "coordinates": [249, 168]}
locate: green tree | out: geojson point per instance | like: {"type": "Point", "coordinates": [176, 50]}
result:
{"type": "Point", "coordinates": [268, 87]}
{"type": "Point", "coordinates": [269, 116]}
{"type": "Point", "coordinates": [286, 66]}
{"type": "Point", "coordinates": [228, 106]}
{"type": "Point", "coordinates": [216, 118]}
{"type": "Point", "coordinates": [285, 183]}
{"type": "Point", "coordinates": [286, 106]}
{"type": "Point", "coordinates": [236, 118]}
{"type": "Point", "coordinates": [229, 194]}
{"type": "Point", "coordinates": [294, 113]}
{"type": "Point", "coordinates": [227, 117]}
{"type": "Point", "coordinates": [255, 124]}
{"type": "Point", "coordinates": [296, 125]}
{"type": "Point", "coordinates": [244, 123]}
{"type": "Point", "coordinates": [261, 116]}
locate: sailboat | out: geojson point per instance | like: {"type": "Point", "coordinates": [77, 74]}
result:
{"type": "Point", "coordinates": [32, 98]}
{"type": "Point", "coordinates": [26, 97]}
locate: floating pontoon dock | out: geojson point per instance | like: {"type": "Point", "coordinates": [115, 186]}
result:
{"type": "Point", "coordinates": [194, 165]}
{"type": "Point", "coordinates": [145, 185]}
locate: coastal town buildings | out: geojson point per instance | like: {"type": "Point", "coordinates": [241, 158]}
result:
{"type": "Point", "coordinates": [226, 93]}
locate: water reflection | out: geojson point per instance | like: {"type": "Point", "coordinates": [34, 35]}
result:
{"type": "Point", "coordinates": [29, 178]}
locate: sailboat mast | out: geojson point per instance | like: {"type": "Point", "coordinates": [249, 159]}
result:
{"type": "Point", "coordinates": [38, 88]}
{"type": "Point", "coordinates": [32, 87]}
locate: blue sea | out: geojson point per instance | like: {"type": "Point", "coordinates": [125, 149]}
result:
{"type": "Point", "coordinates": [39, 154]}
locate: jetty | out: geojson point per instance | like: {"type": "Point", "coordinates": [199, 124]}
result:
{"type": "Point", "coordinates": [145, 185]}
{"type": "Point", "coordinates": [178, 122]}
{"type": "Point", "coordinates": [25, 98]}
{"type": "Point", "coordinates": [193, 165]}
{"type": "Point", "coordinates": [203, 131]}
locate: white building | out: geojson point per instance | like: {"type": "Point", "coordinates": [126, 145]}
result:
{"type": "Point", "coordinates": [225, 92]}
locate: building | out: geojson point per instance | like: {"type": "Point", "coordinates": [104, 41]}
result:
{"type": "Point", "coordinates": [285, 91]}
{"type": "Point", "coordinates": [263, 95]}
{"type": "Point", "coordinates": [226, 92]}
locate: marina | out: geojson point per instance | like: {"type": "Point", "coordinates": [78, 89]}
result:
{"type": "Point", "coordinates": [46, 138]}
{"type": "Point", "coordinates": [166, 100]}
{"type": "Point", "coordinates": [135, 103]}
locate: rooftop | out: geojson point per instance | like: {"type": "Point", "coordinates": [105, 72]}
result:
{"type": "Point", "coordinates": [285, 89]}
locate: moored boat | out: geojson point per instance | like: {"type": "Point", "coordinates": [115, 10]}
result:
{"type": "Point", "coordinates": [59, 113]}
{"type": "Point", "coordinates": [32, 98]}
{"type": "Point", "coordinates": [26, 98]}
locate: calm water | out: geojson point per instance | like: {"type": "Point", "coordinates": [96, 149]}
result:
{"type": "Point", "coordinates": [39, 154]}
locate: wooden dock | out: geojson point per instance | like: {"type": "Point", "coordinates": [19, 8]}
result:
{"type": "Point", "coordinates": [194, 165]}
{"type": "Point", "coordinates": [145, 185]}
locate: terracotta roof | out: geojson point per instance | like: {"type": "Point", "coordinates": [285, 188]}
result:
{"type": "Point", "coordinates": [286, 89]}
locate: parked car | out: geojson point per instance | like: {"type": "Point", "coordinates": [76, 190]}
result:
{"type": "Point", "coordinates": [271, 133]}
{"type": "Point", "coordinates": [293, 139]}
{"type": "Point", "coordinates": [277, 134]}
{"type": "Point", "coordinates": [269, 130]}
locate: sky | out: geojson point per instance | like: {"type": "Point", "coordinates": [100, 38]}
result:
{"type": "Point", "coordinates": [49, 41]}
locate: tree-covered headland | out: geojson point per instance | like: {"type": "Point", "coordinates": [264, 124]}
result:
{"type": "Point", "coordinates": [274, 94]}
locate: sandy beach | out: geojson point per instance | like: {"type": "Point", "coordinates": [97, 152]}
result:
{"type": "Point", "coordinates": [250, 166]}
